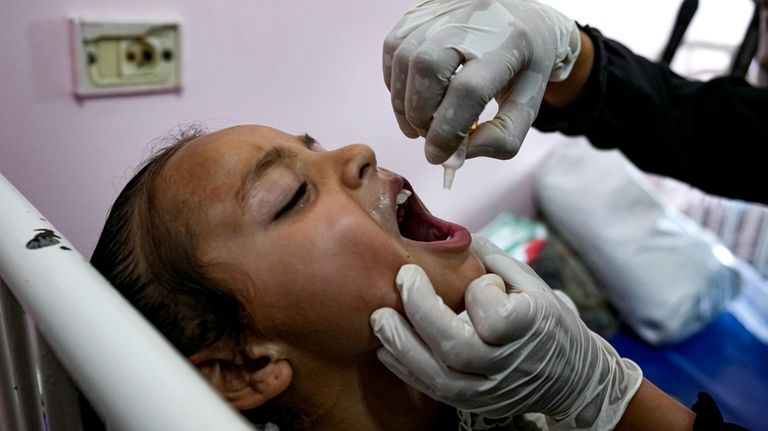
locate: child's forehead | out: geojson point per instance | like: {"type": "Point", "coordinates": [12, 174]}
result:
{"type": "Point", "coordinates": [219, 161]}
{"type": "Point", "coordinates": [253, 139]}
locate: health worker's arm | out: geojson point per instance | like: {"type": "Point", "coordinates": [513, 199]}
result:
{"type": "Point", "coordinates": [708, 134]}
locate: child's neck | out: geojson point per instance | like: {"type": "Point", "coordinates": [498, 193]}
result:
{"type": "Point", "coordinates": [370, 397]}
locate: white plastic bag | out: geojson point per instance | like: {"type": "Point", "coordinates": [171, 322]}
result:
{"type": "Point", "coordinates": [666, 275]}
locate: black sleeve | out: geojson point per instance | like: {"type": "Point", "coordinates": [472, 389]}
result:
{"type": "Point", "coordinates": [708, 417]}
{"type": "Point", "coordinates": [708, 134]}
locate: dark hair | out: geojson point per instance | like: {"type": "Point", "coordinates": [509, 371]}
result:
{"type": "Point", "coordinates": [158, 271]}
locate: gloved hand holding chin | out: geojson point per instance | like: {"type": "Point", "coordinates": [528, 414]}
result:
{"type": "Point", "coordinates": [521, 349]}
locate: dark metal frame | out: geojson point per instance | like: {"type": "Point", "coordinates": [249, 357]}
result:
{"type": "Point", "coordinates": [743, 55]}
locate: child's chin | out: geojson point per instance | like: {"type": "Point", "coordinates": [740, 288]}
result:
{"type": "Point", "coordinates": [468, 272]}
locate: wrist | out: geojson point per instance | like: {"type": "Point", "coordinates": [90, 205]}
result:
{"type": "Point", "coordinates": [652, 409]}
{"type": "Point", "coordinates": [563, 93]}
{"type": "Point", "coordinates": [600, 402]}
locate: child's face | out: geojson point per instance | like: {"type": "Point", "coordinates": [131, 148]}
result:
{"type": "Point", "coordinates": [307, 239]}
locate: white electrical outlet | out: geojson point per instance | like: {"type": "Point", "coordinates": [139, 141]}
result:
{"type": "Point", "coordinates": [115, 55]}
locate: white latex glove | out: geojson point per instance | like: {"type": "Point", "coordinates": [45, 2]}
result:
{"type": "Point", "coordinates": [519, 352]}
{"type": "Point", "coordinates": [508, 49]}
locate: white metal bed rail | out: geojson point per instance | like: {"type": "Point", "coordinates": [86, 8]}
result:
{"type": "Point", "coordinates": [133, 377]}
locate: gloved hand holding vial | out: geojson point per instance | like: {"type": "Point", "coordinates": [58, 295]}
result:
{"type": "Point", "coordinates": [446, 59]}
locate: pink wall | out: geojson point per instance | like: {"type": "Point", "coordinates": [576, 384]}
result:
{"type": "Point", "coordinates": [297, 65]}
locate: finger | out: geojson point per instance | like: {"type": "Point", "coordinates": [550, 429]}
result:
{"type": "Point", "coordinates": [390, 328]}
{"type": "Point", "coordinates": [413, 355]}
{"type": "Point", "coordinates": [526, 268]}
{"type": "Point", "coordinates": [516, 274]}
{"type": "Point", "coordinates": [504, 265]}
{"type": "Point", "coordinates": [470, 90]}
{"type": "Point", "coordinates": [399, 80]}
{"type": "Point", "coordinates": [405, 126]}
{"type": "Point", "coordinates": [499, 318]}
{"type": "Point", "coordinates": [395, 37]}
{"type": "Point", "coordinates": [391, 42]}
{"type": "Point", "coordinates": [451, 339]}
{"type": "Point", "coordinates": [484, 247]}
{"type": "Point", "coordinates": [430, 72]}
{"type": "Point", "coordinates": [562, 296]}
{"type": "Point", "coordinates": [502, 137]}
{"type": "Point", "coordinates": [424, 308]}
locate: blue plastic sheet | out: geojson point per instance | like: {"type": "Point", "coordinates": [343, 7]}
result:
{"type": "Point", "coordinates": [723, 359]}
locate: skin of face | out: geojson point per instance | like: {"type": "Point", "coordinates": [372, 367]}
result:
{"type": "Point", "coordinates": [309, 267]}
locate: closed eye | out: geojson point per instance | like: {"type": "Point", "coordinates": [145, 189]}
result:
{"type": "Point", "coordinates": [297, 197]}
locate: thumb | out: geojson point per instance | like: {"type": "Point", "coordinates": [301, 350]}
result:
{"type": "Point", "coordinates": [484, 247]}
{"type": "Point", "coordinates": [498, 317]}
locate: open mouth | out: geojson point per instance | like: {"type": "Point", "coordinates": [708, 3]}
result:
{"type": "Point", "coordinates": [417, 224]}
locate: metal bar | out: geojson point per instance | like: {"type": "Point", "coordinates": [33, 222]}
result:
{"type": "Point", "coordinates": [60, 405]}
{"type": "Point", "coordinates": [135, 379]}
{"type": "Point", "coordinates": [18, 333]}
{"type": "Point", "coordinates": [37, 393]}
{"type": "Point", "coordinates": [748, 46]}
{"type": "Point", "coordinates": [684, 17]}
{"type": "Point", "coordinates": [12, 409]}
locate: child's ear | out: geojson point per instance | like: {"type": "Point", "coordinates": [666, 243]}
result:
{"type": "Point", "coordinates": [247, 379]}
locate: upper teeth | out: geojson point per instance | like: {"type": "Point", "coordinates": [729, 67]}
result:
{"type": "Point", "coordinates": [402, 196]}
